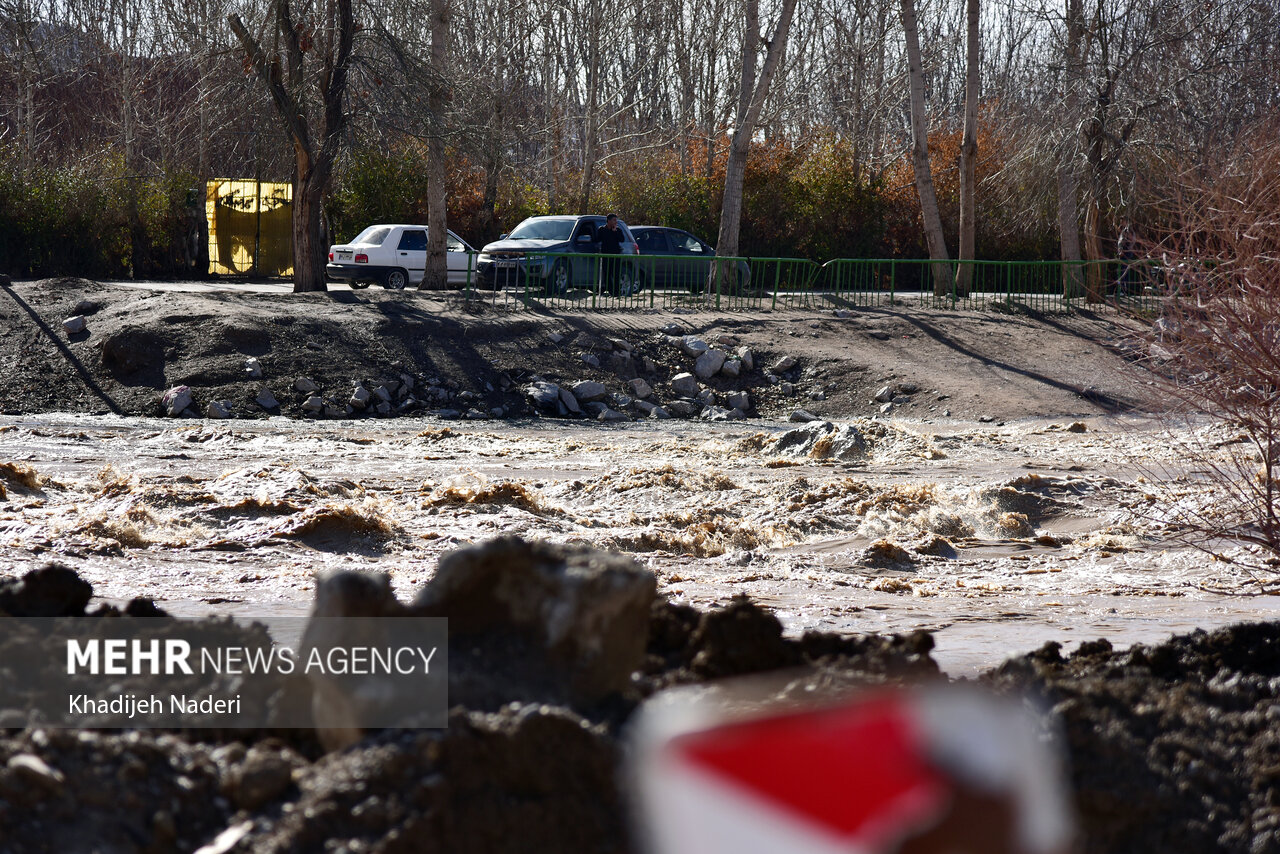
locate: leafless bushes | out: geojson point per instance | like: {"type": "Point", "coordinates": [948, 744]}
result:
{"type": "Point", "coordinates": [1216, 344]}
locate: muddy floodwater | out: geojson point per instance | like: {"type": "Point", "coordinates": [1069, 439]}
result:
{"type": "Point", "coordinates": [995, 537]}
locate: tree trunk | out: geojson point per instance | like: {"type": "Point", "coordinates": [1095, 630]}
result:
{"type": "Point", "coordinates": [969, 154]}
{"type": "Point", "coordinates": [1068, 186]}
{"type": "Point", "coordinates": [751, 95]}
{"type": "Point", "coordinates": [920, 157]}
{"type": "Point", "coordinates": [316, 140]}
{"type": "Point", "coordinates": [309, 252]}
{"type": "Point", "coordinates": [436, 277]}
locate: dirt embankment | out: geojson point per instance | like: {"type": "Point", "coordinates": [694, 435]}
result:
{"type": "Point", "coordinates": [435, 354]}
{"type": "Point", "coordinates": [1172, 747]}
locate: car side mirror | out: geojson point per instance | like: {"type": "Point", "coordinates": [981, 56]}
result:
{"type": "Point", "coordinates": [502, 236]}
{"type": "Point", "coordinates": [584, 238]}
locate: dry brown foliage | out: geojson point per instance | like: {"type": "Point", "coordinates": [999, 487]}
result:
{"type": "Point", "coordinates": [1216, 343]}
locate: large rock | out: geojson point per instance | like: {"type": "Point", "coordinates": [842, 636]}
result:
{"type": "Point", "coordinates": [709, 364]}
{"type": "Point", "coordinates": [747, 358]}
{"type": "Point", "coordinates": [802, 416]}
{"type": "Point", "coordinates": [74, 324]}
{"type": "Point", "coordinates": [611, 415]}
{"type": "Point", "coordinates": [266, 400]}
{"type": "Point", "coordinates": [539, 622]}
{"type": "Point", "coordinates": [313, 404]}
{"type": "Point", "coordinates": [639, 389]}
{"type": "Point", "coordinates": [218, 409]}
{"type": "Point", "coordinates": [800, 441]}
{"type": "Point", "coordinates": [176, 400]}
{"type": "Point", "coordinates": [844, 443]}
{"type": "Point", "coordinates": [569, 402]}
{"type": "Point", "coordinates": [253, 368]}
{"type": "Point", "coordinates": [884, 395]}
{"type": "Point", "coordinates": [692, 345]}
{"type": "Point", "coordinates": [589, 390]}
{"type": "Point", "coordinates": [305, 385]}
{"type": "Point", "coordinates": [359, 397]}
{"type": "Point", "coordinates": [50, 591]}
{"type": "Point", "coordinates": [685, 385]}
{"type": "Point", "coordinates": [731, 368]}
{"type": "Point", "coordinates": [544, 396]}
{"type": "Point", "coordinates": [659, 413]}
{"type": "Point", "coordinates": [783, 365]}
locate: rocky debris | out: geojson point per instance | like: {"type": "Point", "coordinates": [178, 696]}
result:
{"type": "Point", "coordinates": [622, 344]}
{"type": "Point", "coordinates": [731, 368]}
{"type": "Point", "coordinates": [884, 395]}
{"type": "Point", "coordinates": [74, 325]}
{"type": "Point", "coordinates": [611, 415]}
{"type": "Point", "coordinates": [591, 360]}
{"type": "Point", "coordinates": [382, 407]}
{"type": "Point", "coordinates": [747, 358]}
{"type": "Point", "coordinates": [842, 313]}
{"type": "Point", "coordinates": [589, 391]}
{"type": "Point", "coordinates": [87, 307]}
{"type": "Point", "coordinates": [555, 337]}
{"type": "Point", "coordinates": [639, 388]}
{"type": "Point", "coordinates": [313, 404]}
{"type": "Point", "coordinates": [709, 363]}
{"type": "Point", "coordinates": [360, 397]}
{"type": "Point", "coordinates": [708, 397]}
{"type": "Point", "coordinates": [539, 622]}
{"type": "Point", "coordinates": [738, 400]}
{"type": "Point", "coordinates": [908, 387]}
{"type": "Point", "coordinates": [714, 413]}
{"type": "Point", "coordinates": [685, 385]}
{"type": "Point", "coordinates": [659, 413]}
{"type": "Point", "coordinates": [218, 409]}
{"type": "Point", "coordinates": [176, 400]}
{"type": "Point", "coordinates": [253, 368]}
{"type": "Point", "coordinates": [49, 591]}
{"type": "Point", "coordinates": [27, 769]}
{"type": "Point", "coordinates": [784, 364]}
{"type": "Point", "coordinates": [801, 416]}
{"type": "Point", "coordinates": [449, 414]}
{"type": "Point", "coordinates": [266, 399]}
{"type": "Point", "coordinates": [305, 385]}
{"type": "Point", "coordinates": [787, 389]}
{"type": "Point", "coordinates": [886, 408]}
{"type": "Point", "coordinates": [382, 393]}
{"type": "Point", "coordinates": [691, 345]}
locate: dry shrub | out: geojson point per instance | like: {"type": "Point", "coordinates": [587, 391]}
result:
{"type": "Point", "coordinates": [1215, 344]}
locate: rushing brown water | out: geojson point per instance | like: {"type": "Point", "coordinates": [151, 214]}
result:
{"type": "Point", "coordinates": [997, 538]}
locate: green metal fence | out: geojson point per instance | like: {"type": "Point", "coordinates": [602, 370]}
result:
{"type": "Point", "coordinates": [572, 281]}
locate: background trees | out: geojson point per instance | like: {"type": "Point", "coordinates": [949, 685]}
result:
{"type": "Point", "coordinates": [112, 115]}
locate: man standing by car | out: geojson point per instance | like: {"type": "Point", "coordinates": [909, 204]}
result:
{"type": "Point", "coordinates": [610, 238]}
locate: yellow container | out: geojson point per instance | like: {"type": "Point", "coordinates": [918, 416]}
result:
{"type": "Point", "coordinates": [244, 215]}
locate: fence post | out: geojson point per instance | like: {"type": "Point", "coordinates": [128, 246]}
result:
{"type": "Point", "coordinates": [777, 280]}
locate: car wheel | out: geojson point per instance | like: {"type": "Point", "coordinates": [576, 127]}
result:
{"type": "Point", "coordinates": [558, 281]}
{"type": "Point", "coordinates": [396, 280]}
{"type": "Point", "coordinates": [627, 282]}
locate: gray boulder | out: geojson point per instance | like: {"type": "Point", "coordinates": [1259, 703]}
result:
{"type": "Point", "coordinates": [569, 402]}
{"type": "Point", "coordinates": [738, 400]}
{"type": "Point", "coordinates": [659, 413]}
{"type": "Point", "coordinates": [747, 358]}
{"type": "Point", "coordinates": [75, 324]}
{"type": "Point", "coordinates": [800, 440]}
{"type": "Point", "coordinates": [176, 400]}
{"type": "Point", "coordinates": [266, 399]}
{"type": "Point", "coordinates": [801, 416]}
{"type": "Point", "coordinates": [253, 368]}
{"type": "Point", "coordinates": [884, 395]}
{"type": "Point", "coordinates": [589, 390]}
{"type": "Point", "coordinates": [639, 388]}
{"type": "Point", "coordinates": [611, 415]}
{"type": "Point", "coordinates": [683, 408]}
{"type": "Point", "coordinates": [541, 395]}
{"type": "Point", "coordinates": [305, 385]}
{"type": "Point", "coordinates": [313, 404]}
{"type": "Point", "coordinates": [844, 443]}
{"type": "Point", "coordinates": [708, 364]}
{"type": "Point", "coordinates": [783, 365]}
{"type": "Point", "coordinates": [731, 368]}
{"type": "Point", "coordinates": [685, 385]}
{"type": "Point", "coordinates": [692, 345]}
{"type": "Point", "coordinates": [360, 397]}
{"type": "Point", "coordinates": [218, 409]}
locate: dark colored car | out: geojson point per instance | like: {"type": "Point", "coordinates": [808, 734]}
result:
{"type": "Point", "coordinates": [671, 258]}
{"type": "Point", "coordinates": [547, 252]}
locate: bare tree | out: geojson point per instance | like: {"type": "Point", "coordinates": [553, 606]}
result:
{"type": "Point", "coordinates": [308, 89]}
{"type": "Point", "coordinates": [969, 150]}
{"type": "Point", "coordinates": [752, 89]}
{"type": "Point", "coordinates": [920, 156]}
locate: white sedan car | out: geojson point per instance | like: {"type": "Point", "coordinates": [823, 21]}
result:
{"type": "Point", "coordinates": [395, 256]}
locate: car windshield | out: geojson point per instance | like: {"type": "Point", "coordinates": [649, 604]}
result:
{"type": "Point", "coordinates": [542, 229]}
{"type": "Point", "coordinates": [373, 235]}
